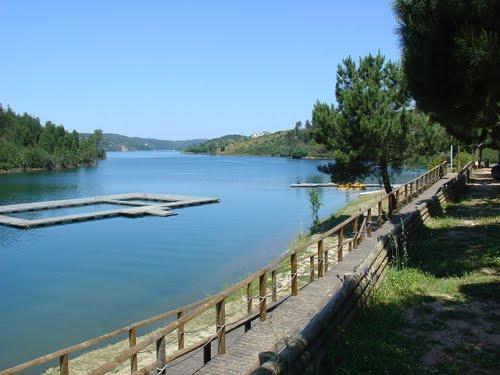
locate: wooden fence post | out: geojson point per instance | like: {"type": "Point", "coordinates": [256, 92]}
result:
{"type": "Point", "coordinates": [274, 287]}
{"type": "Point", "coordinates": [64, 364]}
{"type": "Point", "coordinates": [340, 245]}
{"type": "Point", "coordinates": [132, 341]}
{"type": "Point", "coordinates": [379, 213]}
{"type": "Point", "coordinates": [369, 222]}
{"type": "Point", "coordinates": [161, 356]}
{"type": "Point", "coordinates": [355, 229]}
{"type": "Point", "coordinates": [180, 332]}
{"type": "Point", "coordinates": [311, 268]}
{"type": "Point", "coordinates": [321, 254]}
{"type": "Point", "coordinates": [262, 297]}
{"type": "Point", "coordinates": [207, 352]}
{"type": "Point", "coordinates": [248, 324]}
{"type": "Point", "coordinates": [325, 259]}
{"type": "Point", "coordinates": [293, 273]}
{"type": "Point", "coordinates": [220, 312]}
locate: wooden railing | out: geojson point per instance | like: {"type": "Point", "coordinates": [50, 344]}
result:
{"type": "Point", "coordinates": [348, 234]}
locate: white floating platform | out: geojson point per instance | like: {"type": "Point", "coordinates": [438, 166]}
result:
{"type": "Point", "coordinates": [134, 205]}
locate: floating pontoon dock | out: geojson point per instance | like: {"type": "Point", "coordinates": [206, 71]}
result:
{"type": "Point", "coordinates": [135, 204]}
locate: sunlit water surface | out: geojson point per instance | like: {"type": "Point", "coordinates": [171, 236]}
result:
{"type": "Point", "coordinates": [63, 284]}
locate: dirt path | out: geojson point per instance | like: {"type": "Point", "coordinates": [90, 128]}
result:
{"type": "Point", "coordinates": [464, 333]}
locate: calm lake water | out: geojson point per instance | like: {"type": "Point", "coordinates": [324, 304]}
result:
{"type": "Point", "coordinates": [64, 284]}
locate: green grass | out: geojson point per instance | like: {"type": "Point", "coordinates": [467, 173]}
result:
{"type": "Point", "coordinates": [432, 316]}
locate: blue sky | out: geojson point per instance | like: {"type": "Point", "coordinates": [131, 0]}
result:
{"type": "Point", "coordinates": [182, 69]}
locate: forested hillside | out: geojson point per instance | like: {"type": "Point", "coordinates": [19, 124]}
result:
{"type": "Point", "coordinates": [27, 144]}
{"type": "Point", "coordinates": [118, 142]}
{"type": "Point", "coordinates": [295, 143]}
{"type": "Point", "coordinates": [216, 145]}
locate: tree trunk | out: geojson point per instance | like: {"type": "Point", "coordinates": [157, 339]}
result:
{"type": "Point", "coordinates": [387, 186]}
{"type": "Point", "coordinates": [385, 178]}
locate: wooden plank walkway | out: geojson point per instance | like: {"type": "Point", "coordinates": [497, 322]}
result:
{"type": "Point", "coordinates": [135, 204]}
{"type": "Point", "coordinates": [296, 312]}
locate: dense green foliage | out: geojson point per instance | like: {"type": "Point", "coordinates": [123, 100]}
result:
{"type": "Point", "coordinates": [492, 155]}
{"type": "Point", "coordinates": [118, 142]}
{"type": "Point", "coordinates": [216, 145]}
{"type": "Point", "coordinates": [295, 143]}
{"type": "Point", "coordinates": [451, 57]}
{"type": "Point", "coordinates": [373, 129]}
{"type": "Point", "coordinates": [25, 143]}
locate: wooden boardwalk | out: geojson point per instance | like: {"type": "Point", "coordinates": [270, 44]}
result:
{"type": "Point", "coordinates": [290, 318]}
{"type": "Point", "coordinates": [134, 205]}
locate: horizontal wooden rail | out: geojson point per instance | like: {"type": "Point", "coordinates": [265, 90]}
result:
{"type": "Point", "coordinates": [97, 340]}
{"type": "Point", "coordinates": [361, 227]}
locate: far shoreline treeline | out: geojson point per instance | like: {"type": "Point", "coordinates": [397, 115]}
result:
{"type": "Point", "coordinates": [26, 144]}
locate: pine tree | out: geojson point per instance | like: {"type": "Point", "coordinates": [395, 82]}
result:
{"type": "Point", "coordinates": [373, 129]}
{"type": "Point", "coordinates": [451, 57]}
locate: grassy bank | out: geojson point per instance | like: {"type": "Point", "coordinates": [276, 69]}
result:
{"type": "Point", "coordinates": [439, 314]}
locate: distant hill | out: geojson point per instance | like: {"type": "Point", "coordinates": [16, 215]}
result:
{"type": "Point", "coordinates": [216, 145]}
{"type": "Point", "coordinates": [118, 142]}
{"type": "Point", "coordinates": [295, 143]}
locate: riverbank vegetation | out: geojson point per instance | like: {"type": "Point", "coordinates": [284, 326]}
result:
{"type": "Point", "coordinates": [26, 144]}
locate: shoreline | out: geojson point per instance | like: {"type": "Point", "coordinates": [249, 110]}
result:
{"type": "Point", "coordinates": [257, 155]}
{"type": "Point", "coordinates": [37, 170]}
